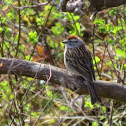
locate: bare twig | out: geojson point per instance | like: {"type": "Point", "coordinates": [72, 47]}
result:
{"type": "Point", "coordinates": [94, 53]}
{"type": "Point", "coordinates": [111, 113]}
{"type": "Point", "coordinates": [19, 32]}
{"type": "Point", "coordinates": [24, 7]}
{"type": "Point", "coordinates": [49, 100]}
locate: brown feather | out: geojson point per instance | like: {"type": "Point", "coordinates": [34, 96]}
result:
{"type": "Point", "coordinates": [72, 36]}
{"type": "Point", "coordinates": [79, 61]}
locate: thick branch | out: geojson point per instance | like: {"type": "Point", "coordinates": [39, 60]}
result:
{"type": "Point", "coordinates": [60, 77]}
{"type": "Point", "coordinates": [77, 6]}
{"type": "Point", "coordinates": [99, 4]}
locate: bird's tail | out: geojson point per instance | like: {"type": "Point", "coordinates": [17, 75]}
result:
{"type": "Point", "coordinates": [93, 93]}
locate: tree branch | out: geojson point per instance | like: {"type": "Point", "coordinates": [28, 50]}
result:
{"type": "Point", "coordinates": [60, 77]}
{"type": "Point", "coordinates": [102, 4]}
{"type": "Point", "coordinates": [77, 6]}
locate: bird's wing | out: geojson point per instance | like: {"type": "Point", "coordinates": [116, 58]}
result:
{"type": "Point", "coordinates": [81, 61]}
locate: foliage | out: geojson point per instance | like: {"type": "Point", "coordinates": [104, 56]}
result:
{"type": "Point", "coordinates": [36, 34]}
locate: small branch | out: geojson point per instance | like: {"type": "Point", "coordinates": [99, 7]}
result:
{"type": "Point", "coordinates": [24, 7]}
{"type": "Point", "coordinates": [19, 33]}
{"type": "Point", "coordinates": [61, 77]}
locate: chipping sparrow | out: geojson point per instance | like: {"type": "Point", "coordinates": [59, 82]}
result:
{"type": "Point", "coordinates": [77, 59]}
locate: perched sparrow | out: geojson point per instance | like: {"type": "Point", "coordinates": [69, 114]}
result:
{"type": "Point", "coordinates": [77, 59]}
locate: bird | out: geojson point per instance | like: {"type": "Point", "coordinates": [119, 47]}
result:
{"type": "Point", "coordinates": [78, 60]}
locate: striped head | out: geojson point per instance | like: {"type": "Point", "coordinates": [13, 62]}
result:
{"type": "Point", "coordinates": [73, 42]}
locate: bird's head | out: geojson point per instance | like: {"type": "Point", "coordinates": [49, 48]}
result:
{"type": "Point", "coordinates": [73, 42]}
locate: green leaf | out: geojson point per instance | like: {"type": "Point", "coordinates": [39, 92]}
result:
{"type": "Point", "coordinates": [58, 29]}
{"type": "Point", "coordinates": [116, 29]}
{"type": "Point", "coordinates": [103, 109]}
{"type": "Point", "coordinates": [108, 28]}
{"type": "Point", "coordinates": [73, 32]}
{"type": "Point", "coordinates": [125, 66]}
{"type": "Point", "coordinates": [95, 124]}
{"type": "Point", "coordinates": [121, 53]}
{"type": "Point", "coordinates": [39, 21]}
{"type": "Point", "coordinates": [36, 114]}
{"type": "Point", "coordinates": [32, 37]}
{"type": "Point", "coordinates": [97, 59]}
{"type": "Point", "coordinates": [88, 104]}
{"type": "Point", "coordinates": [11, 15]}
{"type": "Point", "coordinates": [1, 29]}
{"type": "Point", "coordinates": [99, 21]}
{"type": "Point", "coordinates": [112, 12]}
{"type": "Point", "coordinates": [109, 40]}
{"type": "Point", "coordinates": [27, 57]}
{"type": "Point", "coordinates": [63, 108]}
{"type": "Point", "coordinates": [78, 26]}
{"type": "Point", "coordinates": [76, 17]}
{"type": "Point", "coordinates": [61, 45]}
{"type": "Point", "coordinates": [30, 11]}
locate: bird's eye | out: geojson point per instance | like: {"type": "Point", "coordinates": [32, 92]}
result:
{"type": "Point", "coordinates": [75, 41]}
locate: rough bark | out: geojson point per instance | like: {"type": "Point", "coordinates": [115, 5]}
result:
{"type": "Point", "coordinates": [60, 77]}
{"type": "Point", "coordinates": [99, 4]}
{"type": "Point", "coordinates": [77, 6]}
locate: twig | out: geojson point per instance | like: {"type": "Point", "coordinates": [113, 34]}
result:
{"type": "Point", "coordinates": [111, 114]}
{"type": "Point", "coordinates": [33, 6]}
{"type": "Point", "coordinates": [19, 33]}
{"type": "Point", "coordinates": [48, 101]}
{"type": "Point", "coordinates": [94, 53]}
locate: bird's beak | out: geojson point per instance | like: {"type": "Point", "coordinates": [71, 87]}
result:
{"type": "Point", "coordinates": [66, 41]}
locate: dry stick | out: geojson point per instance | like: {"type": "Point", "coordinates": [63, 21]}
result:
{"type": "Point", "coordinates": [12, 118]}
{"type": "Point", "coordinates": [94, 53]}
{"type": "Point", "coordinates": [19, 34]}
{"type": "Point", "coordinates": [2, 37]}
{"type": "Point", "coordinates": [106, 112]}
{"type": "Point", "coordinates": [21, 105]}
{"type": "Point", "coordinates": [29, 89]}
{"type": "Point", "coordinates": [111, 113]}
{"type": "Point", "coordinates": [1, 45]}
{"type": "Point", "coordinates": [42, 111]}
{"type": "Point", "coordinates": [17, 49]}
{"type": "Point", "coordinates": [33, 50]}
{"type": "Point", "coordinates": [48, 102]}
{"type": "Point", "coordinates": [9, 79]}
{"type": "Point", "coordinates": [95, 65]}
{"type": "Point", "coordinates": [24, 7]}
{"type": "Point", "coordinates": [13, 101]}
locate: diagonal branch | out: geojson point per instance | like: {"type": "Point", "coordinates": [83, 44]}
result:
{"type": "Point", "coordinates": [60, 77]}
